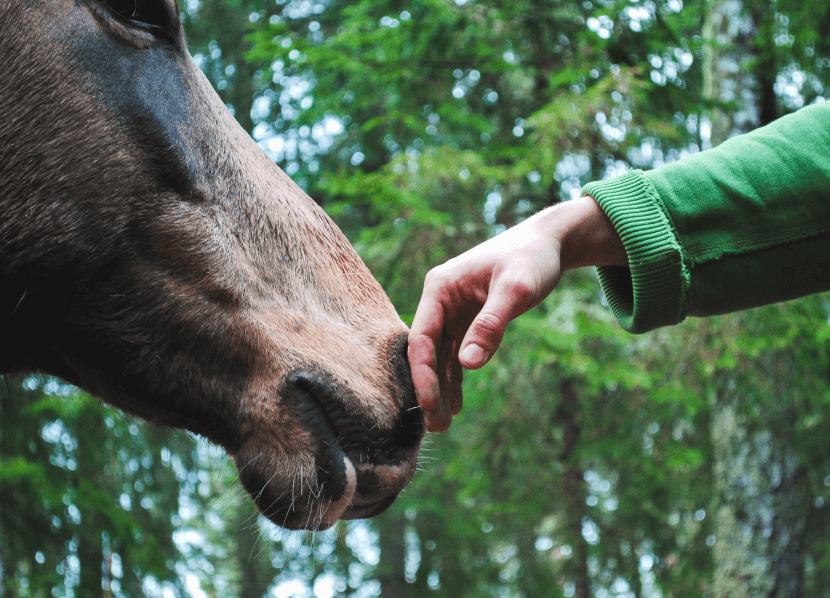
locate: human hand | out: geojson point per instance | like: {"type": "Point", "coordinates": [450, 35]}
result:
{"type": "Point", "coordinates": [468, 302]}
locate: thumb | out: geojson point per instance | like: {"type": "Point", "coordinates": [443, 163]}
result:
{"type": "Point", "coordinates": [505, 302]}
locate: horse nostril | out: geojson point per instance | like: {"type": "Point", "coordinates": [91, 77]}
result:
{"type": "Point", "coordinates": [310, 383]}
{"type": "Point", "coordinates": [319, 399]}
{"type": "Point", "coordinates": [332, 410]}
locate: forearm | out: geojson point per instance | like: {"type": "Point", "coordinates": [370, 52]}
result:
{"type": "Point", "coordinates": [585, 235]}
{"type": "Point", "coordinates": [742, 225]}
{"type": "Point", "coordinates": [753, 215]}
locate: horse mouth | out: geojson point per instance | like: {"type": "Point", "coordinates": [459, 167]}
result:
{"type": "Point", "coordinates": [377, 488]}
{"type": "Point", "coordinates": [369, 510]}
{"type": "Point", "coordinates": [359, 468]}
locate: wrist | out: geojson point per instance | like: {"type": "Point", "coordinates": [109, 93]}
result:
{"type": "Point", "coordinates": [585, 235]}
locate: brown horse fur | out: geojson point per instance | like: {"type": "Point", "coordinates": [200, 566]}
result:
{"type": "Point", "coordinates": [151, 254]}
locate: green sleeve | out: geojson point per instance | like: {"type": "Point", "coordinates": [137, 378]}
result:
{"type": "Point", "coordinates": [741, 225]}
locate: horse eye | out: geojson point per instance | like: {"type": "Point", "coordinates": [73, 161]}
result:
{"type": "Point", "coordinates": [146, 12]}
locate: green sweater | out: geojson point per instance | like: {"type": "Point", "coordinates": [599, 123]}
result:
{"type": "Point", "coordinates": [744, 224]}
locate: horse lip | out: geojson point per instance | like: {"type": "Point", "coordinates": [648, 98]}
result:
{"type": "Point", "coordinates": [369, 466]}
{"type": "Point", "coordinates": [365, 511]}
{"type": "Point", "coordinates": [385, 481]}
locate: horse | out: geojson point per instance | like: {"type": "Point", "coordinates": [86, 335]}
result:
{"type": "Point", "coordinates": [152, 255]}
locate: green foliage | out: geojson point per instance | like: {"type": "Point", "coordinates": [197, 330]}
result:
{"type": "Point", "coordinates": [446, 139]}
{"type": "Point", "coordinates": [71, 490]}
{"type": "Point", "coordinates": [583, 456]}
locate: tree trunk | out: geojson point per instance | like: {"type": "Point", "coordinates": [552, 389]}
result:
{"type": "Point", "coordinates": [90, 463]}
{"type": "Point", "coordinates": [573, 491]}
{"type": "Point", "coordinates": [759, 505]}
{"type": "Point", "coordinates": [728, 82]}
{"type": "Point", "coordinates": [391, 571]}
{"type": "Point", "coordinates": [761, 499]}
{"type": "Point", "coordinates": [91, 556]}
{"type": "Point", "coordinates": [253, 554]}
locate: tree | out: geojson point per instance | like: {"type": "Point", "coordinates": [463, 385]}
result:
{"type": "Point", "coordinates": [586, 461]}
{"type": "Point", "coordinates": [542, 98]}
{"type": "Point", "coordinates": [761, 501]}
{"type": "Point", "coordinates": [86, 494]}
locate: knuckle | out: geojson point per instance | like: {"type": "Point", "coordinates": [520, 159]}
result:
{"type": "Point", "coordinates": [437, 277]}
{"type": "Point", "coordinates": [520, 291]}
{"type": "Point", "coordinates": [489, 325]}
{"type": "Point", "coordinates": [441, 284]}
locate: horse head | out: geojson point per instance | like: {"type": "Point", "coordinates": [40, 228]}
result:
{"type": "Point", "coordinates": [151, 254]}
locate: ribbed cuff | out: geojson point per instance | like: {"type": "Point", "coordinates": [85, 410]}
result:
{"type": "Point", "coordinates": [652, 291]}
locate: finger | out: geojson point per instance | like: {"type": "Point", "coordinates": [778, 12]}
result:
{"type": "Point", "coordinates": [448, 365]}
{"type": "Point", "coordinates": [506, 300]}
{"type": "Point", "coordinates": [439, 420]}
{"type": "Point", "coordinates": [424, 366]}
{"type": "Point", "coordinates": [431, 313]}
{"type": "Point", "coordinates": [456, 376]}
{"type": "Point", "coordinates": [424, 343]}
{"type": "Point", "coordinates": [441, 417]}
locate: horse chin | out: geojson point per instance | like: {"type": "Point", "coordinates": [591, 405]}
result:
{"type": "Point", "coordinates": [368, 490]}
{"type": "Point", "coordinates": [332, 511]}
{"type": "Point", "coordinates": [325, 490]}
{"type": "Point", "coordinates": [316, 483]}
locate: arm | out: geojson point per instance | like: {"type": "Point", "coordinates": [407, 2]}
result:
{"type": "Point", "coordinates": [468, 301]}
{"type": "Point", "coordinates": [741, 225]}
{"type": "Point", "coordinates": [745, 224]}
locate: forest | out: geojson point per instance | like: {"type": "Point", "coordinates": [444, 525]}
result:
{"type": "Point", "coordinates": [587, 462]}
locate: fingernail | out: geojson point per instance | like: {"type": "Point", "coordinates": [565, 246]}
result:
{"type": "Point", "coordinates": [474, 355]}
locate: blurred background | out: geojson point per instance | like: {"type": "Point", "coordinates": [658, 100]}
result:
{"type": "Point", "coordinates": [687, 462]}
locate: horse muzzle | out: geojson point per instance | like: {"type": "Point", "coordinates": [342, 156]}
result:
{"type": "Point", "coordinates": [339, 456]}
